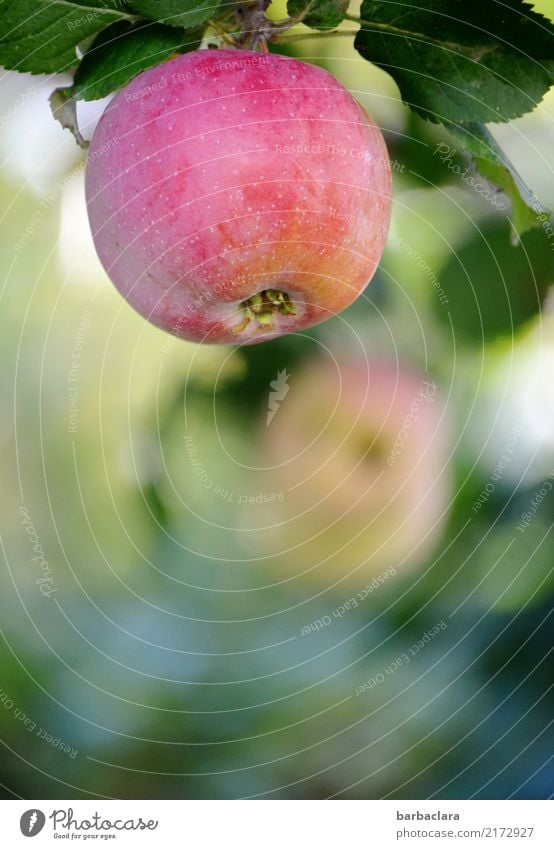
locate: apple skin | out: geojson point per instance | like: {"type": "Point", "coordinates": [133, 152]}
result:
{"type": "Point", "coordinates": [360, 455]}
{"type": "Point", "coordinates": [223, 174]}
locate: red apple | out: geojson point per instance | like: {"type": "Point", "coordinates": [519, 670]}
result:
{"type": "Point", "coordinates": [359, 455]}
{"type": "Point", "coordinates": [235, 196]}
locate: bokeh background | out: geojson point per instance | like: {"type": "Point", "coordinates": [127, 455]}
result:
{"type": "Point", "coordinates": [351, 600]}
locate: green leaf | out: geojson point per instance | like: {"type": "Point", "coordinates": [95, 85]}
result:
{"type": "Point", "coordinates": [40, 36]}
{"type": "Point", "coordinates": [122, 51]}
{"type": "Point", "coordinates": [493, 164]}
{"type": "Point", "coordinates": [177, 13]}
{"type": "Point", "coordinates": [319, 14]}
{"type": "Point", "coordinates": [464, 61]}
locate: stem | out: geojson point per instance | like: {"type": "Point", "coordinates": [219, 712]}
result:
{"type": "Point", "coordinates": [221, 31]}
{"type": "Point", "coordinates": [311, 35]}
{"type": "Point", "coordinates": [392, 30]}
{"type": "Point", "coordinates": [248, 26]}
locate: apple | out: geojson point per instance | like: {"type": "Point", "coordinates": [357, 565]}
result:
{"type": "Point", "coordinates": [235, 196]}
{"type": "Point", "coordinates": [360, 454]}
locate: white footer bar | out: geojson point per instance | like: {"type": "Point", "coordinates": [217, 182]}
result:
{"type": "Point", "coordinates": [277, 824]}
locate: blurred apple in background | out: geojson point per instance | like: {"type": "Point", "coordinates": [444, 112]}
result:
{"type": "Point", "coordinates": [359, 453]}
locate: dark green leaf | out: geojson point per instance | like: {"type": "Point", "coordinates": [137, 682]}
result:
{"type": "Point", "coordinates": [319, 14]}
{"type": "Point", "coordinates": [494, 165]}
{"type": "Point", "coordinates": [177, 13]}
{"type": "Point", "coordinates": [116, 5]}
{"type": "Point", "coordinates": [122, 51]}
{"type": "Point", "coordinates": [472, 61]}
{"type": "Point", "coordinates": [40, 36]}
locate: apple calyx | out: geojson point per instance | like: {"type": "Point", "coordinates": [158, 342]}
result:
{"type": "Point", "coordinates": [262, 307]}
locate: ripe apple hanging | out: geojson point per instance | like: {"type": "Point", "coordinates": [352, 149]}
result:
{"type": "Point", "coordinates": [235, 196]}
